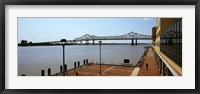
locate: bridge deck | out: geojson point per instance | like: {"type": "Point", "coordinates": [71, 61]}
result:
{"type": "Point", "coordinates": [87, 37]}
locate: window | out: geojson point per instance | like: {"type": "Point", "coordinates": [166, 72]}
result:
{"type": "Point", "coordinates": [171, 42]}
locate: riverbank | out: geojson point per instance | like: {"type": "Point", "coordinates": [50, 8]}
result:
{"type": "Point", "coordinates": [38, 44]}
{"type": "Point", "coordinates": [118, 70]}
{"type": "Point", "coordinates": [115, 67]}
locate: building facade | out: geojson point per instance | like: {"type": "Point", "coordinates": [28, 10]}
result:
{"type": "Point", "coordinates": [167, 44]}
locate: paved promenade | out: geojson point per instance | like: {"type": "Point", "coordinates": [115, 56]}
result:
{"type": "Point", "coordinates": [117, 70]}
{"type": "Point", "coordinates": [106, 70]}
{"type": "Point", "coordinates": [152, 65]}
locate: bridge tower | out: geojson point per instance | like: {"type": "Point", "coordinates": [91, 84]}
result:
{"type": "Point", "coordinates": [74, 42]}
{"type": "Point", "coordinates": [132, 42]}
{"type": "Point", "coordinates": [93, 42]}
{"type": "Point", "coordinates": [87, 42]}
{"type": "Point", "coordinates": [80, 42]}
{"type": "Point", "coordinates": [135, 41]}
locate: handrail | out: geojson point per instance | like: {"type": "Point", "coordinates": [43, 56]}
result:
{"type": "Point", "coordinates": [168, 66]}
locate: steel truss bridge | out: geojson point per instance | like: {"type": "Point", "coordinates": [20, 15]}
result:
{"type": "Point", "coordinates": [130, 36]}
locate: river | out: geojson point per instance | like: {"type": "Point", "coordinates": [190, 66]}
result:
{"type": "Point", "coordinates": [33, 59]}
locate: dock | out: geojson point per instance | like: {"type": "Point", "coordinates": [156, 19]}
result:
{"type": "Point", "coordinates": [106, 70]}
{"type": "Point", "coordinates": [118, 70]}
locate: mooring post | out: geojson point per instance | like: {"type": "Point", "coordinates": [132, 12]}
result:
{"type": "Point", "coordinates": [60, 68]}
{"type": "Point", "coordinates": [78, 64]}
{"type": "Point", "coordinates": [65, 68]}
{"type": "Point", "coordinates": [87, 61]}
{"type": "Point", "coordinates": [42, 73]}
{"type": "Point", "coordinates": [74, 65]}
{"type": "Point", "coordinates": [49, 71]}
{"type": "Point", "coordinates": [84, 62]}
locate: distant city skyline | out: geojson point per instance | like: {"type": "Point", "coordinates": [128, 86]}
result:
{"type": "Point", "coordinates": [54, 29]}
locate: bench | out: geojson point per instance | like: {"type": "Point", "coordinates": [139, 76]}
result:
{"type": "Point", "coordinates": [126, 64]}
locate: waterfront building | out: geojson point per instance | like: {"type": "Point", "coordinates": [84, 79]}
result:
{"type": "Point", "coordinates": [167, 45]}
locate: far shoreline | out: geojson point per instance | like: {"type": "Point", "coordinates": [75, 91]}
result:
{"type": "Point", "coordinates": [87, 44]}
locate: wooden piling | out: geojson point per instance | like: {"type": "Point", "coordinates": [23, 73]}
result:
{"type": "Point", "coordinates": [65, 68]}
{"type": "Point", "coordinates": [74, 65]}
{"type": "Point", "coordinates": [42, 73]}
{"type": "Point", "coordinates": [78, 64]}
{"type": "Point", "coordinates": [49, 71]}
{"type": "Point", "coordinates": [84, 62]}
{"type": "Point", "coordinates": [61, 69]}
{"type": "Point", "coordinates": [87, 61]}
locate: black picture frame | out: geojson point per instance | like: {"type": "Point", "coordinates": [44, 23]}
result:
{"type": "Point", "coordinates": [3, 3]}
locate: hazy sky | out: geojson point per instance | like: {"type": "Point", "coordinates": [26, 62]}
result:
{"type": "Point", "coordinates": [54, 29]}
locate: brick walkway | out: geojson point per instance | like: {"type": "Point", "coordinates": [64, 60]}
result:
{"type": "Point", "coordinates": [112, 70]}
{"type": "Point", "coordinates": [107, 70]}
{"type": "Point", "coordinates": [152, 65]}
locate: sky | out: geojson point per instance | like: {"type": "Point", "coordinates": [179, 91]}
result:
{"type": "Point", "coordinates": [55, 29]}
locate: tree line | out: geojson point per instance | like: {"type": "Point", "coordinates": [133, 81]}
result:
{"type": "Point", "coordinates": [26, 43]}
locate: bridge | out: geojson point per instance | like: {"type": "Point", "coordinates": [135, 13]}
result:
{"type": "Point", "coordinates": [87, 37]}
{"type": "Point", "coordinates": [130, 36]}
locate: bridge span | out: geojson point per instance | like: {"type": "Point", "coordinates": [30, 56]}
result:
{"type": "Point", "coordinates": [87, 37]}
{"type": "Point", "coordinates": [130, 36]}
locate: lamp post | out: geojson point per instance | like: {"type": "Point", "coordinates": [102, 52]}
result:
{"type": "Point", "coordinates": [63, 41]}
{"type": "Point", "coordinates": [100, 56]}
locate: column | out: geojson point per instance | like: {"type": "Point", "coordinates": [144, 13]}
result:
{"type": "Point", "coordinates": [87, 42]}
{"type": "Point", "coordinates": [132, 42]}
{"type": "Point", "coordinates": [80, 42]}
{"type": "Point", "coordinates": [93, 42]}
{"type": "Point", "coordinates": [135, 41]}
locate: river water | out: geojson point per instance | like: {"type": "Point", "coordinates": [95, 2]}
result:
{"type": "Point", "coordinates": [33, 59]}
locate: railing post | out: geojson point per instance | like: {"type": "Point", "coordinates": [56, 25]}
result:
{"type": "Point", "coordinates": [49, 71]}
{"type": "Point", "coordinates": [42, 73]}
